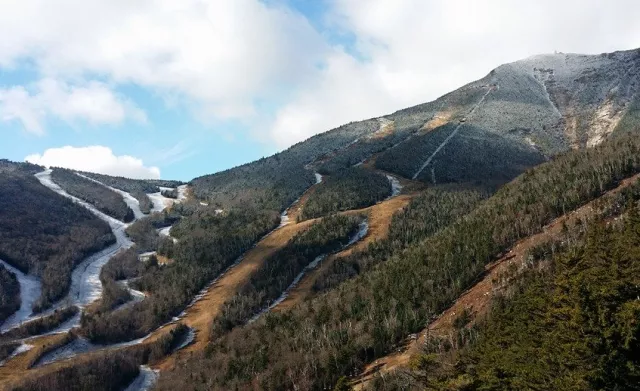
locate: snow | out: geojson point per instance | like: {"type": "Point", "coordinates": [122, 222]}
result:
{"type": "Point", "coordinates": [187, 340]}
{"type": "Point", "coordinates": [45, 178]}
{"type": "Point", "coordinates": [78, 345]}
{"type": "Point", "coordinates": [19, 350]}
{"type": "Point", "coordinates": [161, 202]}
{"type": "Point", "coordinates": [30, 288]}
{"type": "Point", "coordinates": [131, 202]}
{"type": "Point", "coordinates": [284, 217]}
{"type": "Point", "coordinates": [81, 345]}
{"type": "Point", "coordinates": [361, 233]}
{"type": "Point", "coordinates": [145, 380]}
{"type": "Point", "coordinates": [166, 231]}
{"type": "Point", "coordinates": [396, 187]}
{"type": "Point", "coordinates": [136, 295]}
{"type": "Point", "coordinates": [86, 286]}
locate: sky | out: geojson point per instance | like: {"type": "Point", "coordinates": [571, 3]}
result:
{"type": "Point", "coordinates": [179, 89]}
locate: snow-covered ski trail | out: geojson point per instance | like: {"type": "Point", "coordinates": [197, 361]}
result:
{"type": "Point", "coordinates": [450, 136]}
{"type": "Point", "coordinates": [363, 229]}
{"type": "Point", "coordinates": [30, 288]}
{"type": "Point", "coordinates": [131, 201]}
{"type": "Point", "coordinates": [145, 380]}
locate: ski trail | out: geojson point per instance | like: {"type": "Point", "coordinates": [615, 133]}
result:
{"type": "Point", "coordinates": [160, 202]}
{"type": "Point", "coordinates": [30, 288]}
{"type": "Point", "coordinates": [361, 233]}
{"type": "Point", "coordinates": [284, 217]}
{"type": "Point", "coordinates": [450, 136]}
{"type": "Point", "coordinates": [145, 380]}
{"type": "Point", "coordinates": [131, 202]}
{"type": "Point", "coordinates": [396, 187]}
{"type": "Point", "coordinates": [86, 286]}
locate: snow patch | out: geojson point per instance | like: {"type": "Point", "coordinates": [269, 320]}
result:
{"type": "Point", "coordinates": [396, 187]}
{"type": "Point", "coordinates": [145, 380]}
{"type": "Point", "coordinates": [187, 340]}
{"type": "Point", "coordinates": [23, 348]}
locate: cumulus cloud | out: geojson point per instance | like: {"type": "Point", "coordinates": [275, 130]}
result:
{"type": "Point", "coordinates": [265, 64]}
{"type": "Point", "coordinates": [91, 102]}
{"type": "Point", "coordinates": [97, 159]}
{"type": "Point", "coordinates": [220, 56]}
{"type": "Point", "coordinates": [407, 52]}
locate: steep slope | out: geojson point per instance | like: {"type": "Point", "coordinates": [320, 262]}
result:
{"type": "Point", "coordinates": [528, 111]}
{"type": "Point", "coordinates": [315, 343]}
{"type": "Point", "coordinates": [367, 300]}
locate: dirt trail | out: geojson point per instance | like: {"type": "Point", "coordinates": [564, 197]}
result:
{"type": "Point", "coordinates": [478, 299]}
{"type": "Point", "coordinates": [15, 368]}
{"type": "Point", "coordinates": [201, 314]}
{"type": "Point", "coordinates": [379, 219]}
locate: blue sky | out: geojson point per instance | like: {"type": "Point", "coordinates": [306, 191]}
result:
{"type": "Point", "coordinates": [182, 89]}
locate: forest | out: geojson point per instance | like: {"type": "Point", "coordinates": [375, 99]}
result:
{"type": "Point", "coordinates": [9, 293]}
{"type": "Point", "coordinates": [40, 325]}
{"type": "Point", "coordinates": [107, 370]}
{"type": "Point", "coordinates": [105, 200]}
{"type": "Point", "coordinates": [406, 158]}
{"type": "Point", "coordinates": [63, 236]}
{"type": "Point", "coordinates": [124, 265]}
{"type": "Point", "coordinates": [473, 155]}
{"type": "Point", "coordinates": [580, 313]}
{"type": "Point", "coordinates": [276, 181]}
{"type": "Point", "coordinates": [280, 269]}
{"type": "Point", "coordinates": [336, 333]}
{"type": "Point", "coordinates": [353, 188]}
{"type": "Point", "coordinates": [426, 214]}
{"type": "Point", "coordinates": [207, 244]}
{"type": "Point", "coordinates": [138, 188]}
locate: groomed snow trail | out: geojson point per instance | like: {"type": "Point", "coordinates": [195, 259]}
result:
{"type": "Point", "coordinates": [145, 380]}
{"type": "Point", "coordinates": [361, 233]}
{"type": "Point", "coordinates": [284, 217]}
{"type": "Point", "coordinates": [396, 187]}
{"type": "Point", "coordinates": [450, 136]}
{"type": "Point", "coordinates": [19, 350]}
{"type": "Point", "coordinates": [30, 288]}
{"type": "Point", "coordinates": [131, 202]}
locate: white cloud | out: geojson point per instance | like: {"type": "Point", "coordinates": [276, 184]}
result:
{"type": "Point", "coordinates": [92, 102]}
{"type": "Point", "coordinates": [237, 59]}
{"type": "Point", "coordinates": [97, 159]}
{"type": "Point", "coordinates": [220, 56]}
{"type": "Point", "coordinates": [417, 50]}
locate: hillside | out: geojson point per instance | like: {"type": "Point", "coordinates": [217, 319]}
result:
{"type": "Point", "coordinates": [336, 262]}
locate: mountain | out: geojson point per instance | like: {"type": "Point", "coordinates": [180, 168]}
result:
{"type": "Point", "coordinates": [490, 130]}
{"type": "Point", "coordinates": [443, 246]}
